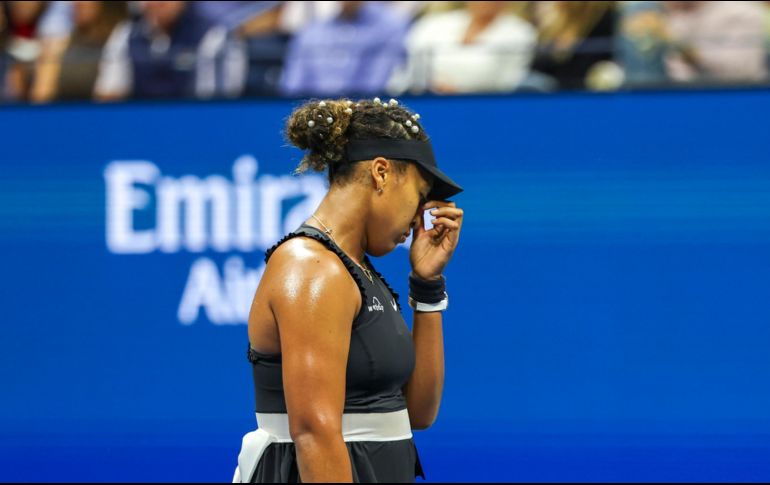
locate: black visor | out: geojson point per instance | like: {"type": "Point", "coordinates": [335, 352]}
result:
{"type": "Point", "coordinates": [419, 152]}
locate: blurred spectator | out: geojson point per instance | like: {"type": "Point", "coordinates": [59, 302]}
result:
{"type": "Point", "coordinates": [222, 12]}
{"type": "Point", "coordinates": [354, 53]}
{"type": "Point", "coordinates": [244, 48]}
{"type": "Point", "coordinates": [297, 15]}
{"type": "Point", "coordinates": [253, 60]}
{"type": "Point", "coordinates": [722, 41]}
{"type": "Point", "coordinates": [168, 52]}
{"type": "Point", "coordinates": [3, 60]}
{"type": "Point", "coordinates": [407, 9]}
{"type": "Point", "coordinates": [766, 4]}
{"type": "Point", "coordinates": [57, 21]}
{"type": "Point", "coordinates": [478, 48]}
{"type": "Point", "coordinates": [69, 66]}
{"type": "Point", "coordinates": [21, 46]}
{"type": "Point", "coordinates": [576, 38]}
{"type": "Point", "coordinates": [642, 42]}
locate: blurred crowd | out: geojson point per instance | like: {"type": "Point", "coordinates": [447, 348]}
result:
{"type": "Point", "coordinates": [115, 50]}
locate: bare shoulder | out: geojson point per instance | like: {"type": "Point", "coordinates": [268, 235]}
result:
{"type": "Point", "coordinates": [314, 301]}
{"type": "Point", "coordinates": [304, 269]}
{"type": "Point", "coordinates": [306, 257]}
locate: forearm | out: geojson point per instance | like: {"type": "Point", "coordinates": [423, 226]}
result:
{"type": "Point", "coordinates": [323, 458]}
{"type": "Point", "coordinates": [424, 389]}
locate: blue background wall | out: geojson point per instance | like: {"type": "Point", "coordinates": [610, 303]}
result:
{"type": "Point", "coordinates": [609, 316]}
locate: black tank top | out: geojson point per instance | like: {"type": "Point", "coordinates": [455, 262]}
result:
{"type": "Point", "coordinates": [381, 356]}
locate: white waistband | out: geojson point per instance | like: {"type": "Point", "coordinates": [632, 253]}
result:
{"type": "Point", "coordinates": [391, 426]}
{"type": "Point", "coordinates": [274, 428]}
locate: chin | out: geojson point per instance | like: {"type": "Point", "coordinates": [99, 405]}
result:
{"type": "Point", "coordinates": [382, 249]}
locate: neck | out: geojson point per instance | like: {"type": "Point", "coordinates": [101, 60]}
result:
{"type": "Point", "coordinates": [476, 27]}
{"type": "Point", "coordinates": [342, 210]}
{"type": "Point", "coordinates": [483, 21]}
{"type": "Point", "coordinates": [350, 12]}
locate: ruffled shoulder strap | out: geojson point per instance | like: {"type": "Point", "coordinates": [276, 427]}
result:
{"type": "Point", "coordinates": [314, 233]}
{"type": "Point", "coordinates": [382, 278]}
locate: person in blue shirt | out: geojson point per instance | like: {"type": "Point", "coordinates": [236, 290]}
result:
{"type": "Point", "coordinates": [168, 52]}
{"type": "Point", "coordinates": [354, 53]}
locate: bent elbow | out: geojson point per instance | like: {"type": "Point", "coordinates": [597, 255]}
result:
{"type": "Point", "coordinates": [315, 428]}
{"type": "Point", "coordinates": [419, 424]}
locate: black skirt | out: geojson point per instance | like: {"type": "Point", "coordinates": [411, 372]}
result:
{"type": "Point", "coordinates": [372, 461]}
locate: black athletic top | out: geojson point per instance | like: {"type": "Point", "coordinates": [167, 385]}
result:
{"type": "Point", "coordinates": [380, 361]}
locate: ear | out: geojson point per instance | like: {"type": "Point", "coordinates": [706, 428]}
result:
{"type": "Point", "coordinates": [381, 169]}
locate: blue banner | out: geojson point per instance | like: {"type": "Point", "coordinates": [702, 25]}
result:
{"type": "Point", "coordinates": [609, 314]}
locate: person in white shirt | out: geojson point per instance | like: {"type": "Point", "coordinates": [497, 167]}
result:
{"type": "Point", "coordinates": [479, 48]}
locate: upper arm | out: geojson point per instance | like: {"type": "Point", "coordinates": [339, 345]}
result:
{"type": "Point", "coordinates": [208, 62]}
{"type": "Point", "coordinates": [48, 68]}
{"type": "Point", "coordinates": [235, 64]}
{"type": "Point", "coordinates": [115, 78]}
{"type": "Point", "coordinates": [313, 299]}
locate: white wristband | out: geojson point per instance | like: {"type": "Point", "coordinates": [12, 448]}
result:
{"type": "Point", "coordinates": [429, 307]}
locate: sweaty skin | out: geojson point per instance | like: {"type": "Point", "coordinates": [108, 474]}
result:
{"type": "Point", "coordinates": [306, 303]}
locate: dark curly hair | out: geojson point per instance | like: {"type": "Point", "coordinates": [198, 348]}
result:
{"type": "Point", "coordinates": [322, 128]}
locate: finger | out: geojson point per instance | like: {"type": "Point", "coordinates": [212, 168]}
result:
{"type": "Point", "coordinates": [437, 233]}
{"type": "Point", "coordinates": [450, 212]}
{"type": "Point", "coordinates": [437, 203]}
{"type": "Point", "coordinates": [446, 222]}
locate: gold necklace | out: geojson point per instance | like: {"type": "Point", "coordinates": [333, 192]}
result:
{"type": "Point", "coordinates": [329, 233]}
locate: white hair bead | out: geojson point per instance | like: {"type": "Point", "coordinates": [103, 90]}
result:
{"type": "Point", "coordinates": [330, 120]}
{"type": "Point", "coordinates": [415, 116]}
{"type": "Point", "coordinates": [415, 129]}
{"type": "Point", "coordinates": [348, 103]}
{"type": "Point", "coordinates": [377, 100]}
{"type": "Point", "coordinates": [349, 111]}
{"type": "Point", "coordinates": [322, 104]}
{"type": "Point", "coordinates": [311, 123]}
{"type": "Point", "coordinates": [393, 102]}
{"type": "Point", "coordinates": [408, 123]}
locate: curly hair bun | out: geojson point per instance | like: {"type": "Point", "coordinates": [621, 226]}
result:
{"type": "Point", "coordinates": [322, 128]}
{"type": "Point", "coordinates": [319, 128]}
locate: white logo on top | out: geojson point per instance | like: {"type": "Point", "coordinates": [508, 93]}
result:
{"type": "Point", "coordinates": [376, 305]}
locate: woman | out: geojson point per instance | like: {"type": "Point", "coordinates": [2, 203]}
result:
{"type": "Point", "coordinates": [340, 381]}
{"type": "Point", "coordinates": [68, 66]}
{"type": "Point", "coordinates": [576, 40]}
{"type": "Point", "coordinates": [21, 46]}
{"type": "Point", "coordinates": [482, 47]}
